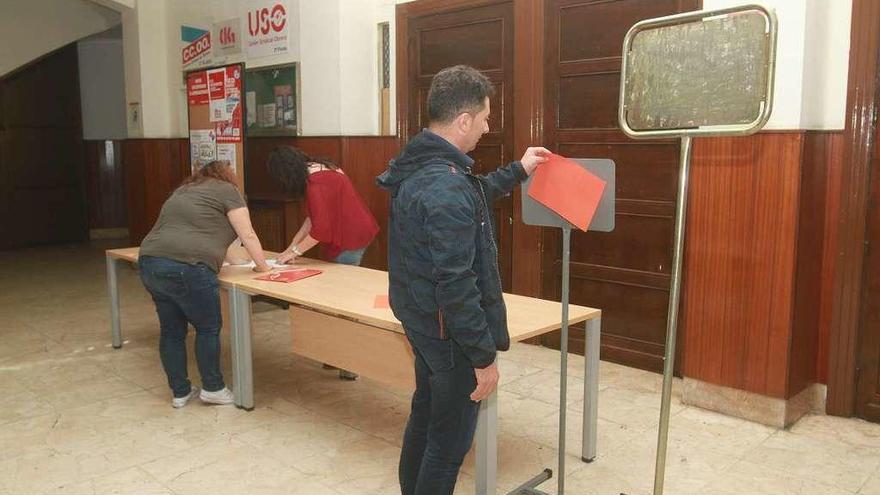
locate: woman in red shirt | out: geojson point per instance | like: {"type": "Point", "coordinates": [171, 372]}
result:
{"type": "Point", "coordinates": [338, 218]}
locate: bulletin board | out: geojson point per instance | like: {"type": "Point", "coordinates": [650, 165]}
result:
{"type": "Point", "coordinates": [214, 110]}
{"type": "Point", "coordinates": [272, 100]}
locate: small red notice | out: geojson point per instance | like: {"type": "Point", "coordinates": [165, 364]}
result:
{"type": "Point", "coordinates": [290, 275]}
{"type": "Point", "coordinates": [568, 189]}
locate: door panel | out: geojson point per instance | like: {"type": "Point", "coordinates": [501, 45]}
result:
{"type": "Point", "coordinates": [868, 359]}
{"type": "Point", "coordinates": [625, 272]}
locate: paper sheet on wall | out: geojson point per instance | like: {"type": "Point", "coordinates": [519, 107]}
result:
{"type": "Point", "coordinates": [251, 108]}
{"type": "Point", "coordinates": [226, 151]}
{"type": "Point", "coordinates": [267, 116]}
{"type": "Point", "coordinates": [203, 144]}
{"type": "Point", "coordinates": [219, 110]}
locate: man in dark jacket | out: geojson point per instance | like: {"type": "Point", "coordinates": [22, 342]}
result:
{"type": "Point", "coordinates": [444, 282]}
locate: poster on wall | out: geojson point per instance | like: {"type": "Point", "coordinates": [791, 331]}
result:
{"type": "Point", "coordinates": [272, 101]}
{"type": "Point", "coordinates": [215, 113]}
{"type": "Point", "coordinates": [229, 130]}
{"type": "Point", "coordinates": [203, 146]}
{"type": "Point", "coordinates": [268, 28]}
{"type": "Point", "coordinates": [251, 108]}
{"type": "Point", "coordinates": [197, 88]}
{"type": "Point", "coordinates": [226, 151]}
{"type": "Point", "coordinates": [217, 95]}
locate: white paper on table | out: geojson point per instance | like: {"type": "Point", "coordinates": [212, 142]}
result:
{"type": "Point", "coordinates": [271, 262]}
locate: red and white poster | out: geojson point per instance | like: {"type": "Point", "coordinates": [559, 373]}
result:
{"type": "Point", "coordinates": [268, 31]}
{"type": "Point", "coordinates": [230, 129]}
{"type": "Point", "coordinates": [217, 94]}
{"type": "Point", "coordinates": [197, 88]}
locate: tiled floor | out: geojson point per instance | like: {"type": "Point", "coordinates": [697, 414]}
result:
{"type": "Point", "coordinates": [78, 417]}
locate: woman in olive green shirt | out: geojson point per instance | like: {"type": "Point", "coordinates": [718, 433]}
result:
{"type": "Point", "coordinates": [179, 261]}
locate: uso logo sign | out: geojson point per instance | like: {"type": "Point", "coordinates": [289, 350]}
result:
{"type": "Point", "coordinates": [264, 20]}
{"type": "Point", "coordinates": [268, 30]}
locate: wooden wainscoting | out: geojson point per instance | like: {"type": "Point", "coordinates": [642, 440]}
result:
{"type": "Point", "coordinates": [153, 169]}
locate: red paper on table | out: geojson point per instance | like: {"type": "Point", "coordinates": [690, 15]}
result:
{"type": "Point", "coordinates": [289, 275]}
{"type": "Point", "coordinates": [382, 302]}
{"type": "Point", "coordinates": [568, 189]}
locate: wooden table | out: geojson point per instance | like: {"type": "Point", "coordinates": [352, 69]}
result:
{"type": "Point", "coordinates": [333, 320]}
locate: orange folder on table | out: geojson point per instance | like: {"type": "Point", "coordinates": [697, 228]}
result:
{"type": "Point", "coordinates": [382, 302]}
{"type": "Point", "coordinates": [290, 275]}
{"type": "Point", "coordinates": [568, 189]}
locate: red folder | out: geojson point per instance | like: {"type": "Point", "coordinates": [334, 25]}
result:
{"type": "Point", "coordinates": [289, 275]}
{"type": "Point", "coordinates": [568, 189]}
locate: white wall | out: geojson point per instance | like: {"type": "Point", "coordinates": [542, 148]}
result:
{"type": "Point", "coordinates": [155, 90]}
{"type": "Point", "coordinates": [102, 89]}
{"type": "Point", "coordinates": [826, 64]}
{"type": "Point", "coordinates": [359, 68]}
{"type": "Point", "coordinates": [320, 68]}
{"type": "Point", "coordinates": [811, 63]}
{"type": "Point", "coordinates": [131, 61]}
{"type": "Point", "coordinates": [30, 29]}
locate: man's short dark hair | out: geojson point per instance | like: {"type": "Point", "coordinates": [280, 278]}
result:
{"type": "Point", "coordinates": [455, 90]}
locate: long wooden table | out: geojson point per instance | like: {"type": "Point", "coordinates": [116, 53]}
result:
{"type": "Point", "coordinates": [334, 320]}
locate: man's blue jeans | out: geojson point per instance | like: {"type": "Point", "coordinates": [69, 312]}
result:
{"type": "Point", "coordinates": [443, 420]}
{"type": "Point", "coordinates": [185, 293]}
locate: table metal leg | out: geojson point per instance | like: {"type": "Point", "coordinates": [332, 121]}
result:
{"type": "Point", "coordinates": [591, 388]}
{"type": "Point", "coordinates": [113, 289]}
{"type": "Point", "coordinates": [242, 355]}
{"type": "Point", "coordinates": [487, 446]}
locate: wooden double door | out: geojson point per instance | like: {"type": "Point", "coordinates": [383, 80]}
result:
{"type": "Point", "coordinates": [626, 272]}
{"type": "Point", "coordinates": [868, 353]}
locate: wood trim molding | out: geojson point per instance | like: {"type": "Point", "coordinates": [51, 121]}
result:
{"type": "Point", "coordinates": [442, 6]}
{"type": "Point", "coordinates": [402, 74]}
{"type": "Point", "coordinates": [528, 130]}
{"type": "Point", "coordinates": [854, 185]}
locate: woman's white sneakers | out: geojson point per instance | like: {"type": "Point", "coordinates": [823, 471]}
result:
{"type": "Point", "coordinates": [222, 397]}
{"type": "Point", "coordinates": [178, 402]}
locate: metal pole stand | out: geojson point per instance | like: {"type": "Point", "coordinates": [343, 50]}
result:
{"type": "Point", "coordinates": [531, 487]}
{"type": "Point", "coordinates": [675, 75]}
{"type": "Point", "coordinates": [672, 319]}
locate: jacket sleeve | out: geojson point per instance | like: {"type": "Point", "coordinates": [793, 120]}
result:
{"type": "Point", "coordinates": [503, 181]}
{"type": "Point", "coordinates": [451, 224]}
